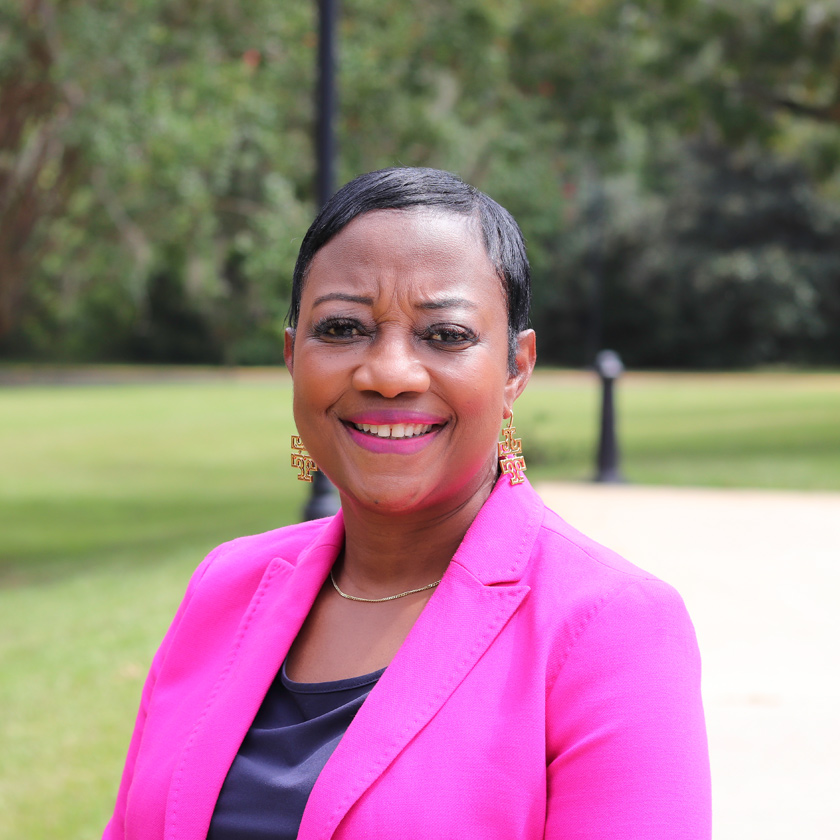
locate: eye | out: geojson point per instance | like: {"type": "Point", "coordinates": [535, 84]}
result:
{"type": "Point", "coordinates": [449, 334]}
{"type": "Point", "coordinates": [338, 328]}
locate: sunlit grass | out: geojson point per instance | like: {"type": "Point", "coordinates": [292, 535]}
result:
{"type": "Point", "coordinates": [91, 471]}
{"type": "Point", "coordinates": [110, 495]}
{"type": "Point", "coordinates": [73, 656]}
{"type": "Point", "coordinates": [779, 431]}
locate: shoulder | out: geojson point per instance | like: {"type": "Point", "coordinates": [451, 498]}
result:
{"type": "Point", "coordinates": [286, 542]}
{"type": "Point", "coordinates": [517, 539]}
{"type": "Point", "coordinates": [580, 586]}
{"type": "Point", "coordinates": [561, 549]}
{"type": "Point", "coordinates": [244, 560]}
{"type": "Point", "coordinates": [226, 582]}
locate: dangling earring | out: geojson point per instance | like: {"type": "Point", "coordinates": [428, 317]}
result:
{"type": "Point", "coordinates": [301, 460]}
{"type": "Point", "coordinates": [510, 454]}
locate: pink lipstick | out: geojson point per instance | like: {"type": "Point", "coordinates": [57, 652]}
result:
{"type": "Point", "coordinates": [393, 431]}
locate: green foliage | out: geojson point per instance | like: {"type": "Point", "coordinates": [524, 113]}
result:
{"type": "Point", "coordinates": [156, 164]}
{"type": "Point", "coordinates": [681, 65]}
{"type": "Point", "coordinates": [192, 122]}
{"type": "Point", "coordinates": [728, 259]}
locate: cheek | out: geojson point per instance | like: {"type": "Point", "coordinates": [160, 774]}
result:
{"type": "Point", "coordinates": [311, 388]}
{"type": "Point", "coordinates": [479, 388]}
{"type": "Point", "coordinates": [480, 407]}
{"type": "Point", "coordinates": [315, 369]}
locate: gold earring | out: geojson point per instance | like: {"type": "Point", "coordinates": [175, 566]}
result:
{"type": "Point", "coordinates": [301, 460]}
{"type": "Point", "coordinates": [510, 454]}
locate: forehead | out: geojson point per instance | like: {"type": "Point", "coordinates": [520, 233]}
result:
{"type": "Point", "coordinates": [408, 252]}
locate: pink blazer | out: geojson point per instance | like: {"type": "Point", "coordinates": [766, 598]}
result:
{"type": "Point", "coordinates": [549, 689]}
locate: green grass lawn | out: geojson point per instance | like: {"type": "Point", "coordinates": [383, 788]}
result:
{"type": "Point", "coordinates": [111, 494]}
{"type": "Point", "coordinates": [769, 430]}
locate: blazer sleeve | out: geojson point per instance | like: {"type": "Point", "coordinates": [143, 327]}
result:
{"type": "Point", "coordinates": [115, 829]}
{"type": "Point", "coordinates": [627, 751]}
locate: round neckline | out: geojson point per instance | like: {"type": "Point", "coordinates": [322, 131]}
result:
{"type": "Point", "coordinates": [330, 685]}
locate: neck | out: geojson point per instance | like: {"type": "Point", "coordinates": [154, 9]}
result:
{"type": "Point", "coordinates": [390, 552]}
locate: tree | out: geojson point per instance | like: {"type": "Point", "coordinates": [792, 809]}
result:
{"type": "Point", "coordinates": [156, 164]}
{"type": "Point", "coordinates": [186, 126]}
{"type": "Point", "coordinates": [744, 68]}
{"type": "Point", "coordinates": [731, 261]}
{"type": "Point", "coordinates": [37, 164]}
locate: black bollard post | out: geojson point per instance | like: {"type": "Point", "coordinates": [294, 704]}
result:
{"type": "Point", "coordinates": [609, 367]}
{"type": "Point", "coordinates": [324, 500]}
{"type": "Point", "coordinates": [327, 100]}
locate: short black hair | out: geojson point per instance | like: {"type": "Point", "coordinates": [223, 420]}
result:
{"type": "Point", "coordinates": [401, 188]}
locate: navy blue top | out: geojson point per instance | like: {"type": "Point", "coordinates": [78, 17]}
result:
{"type": "Point", "coordinates": [294, 733]}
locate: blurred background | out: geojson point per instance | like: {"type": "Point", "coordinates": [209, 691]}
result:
{"type": "Point", "coordinates": [674, 164]}
{"type": "Point", "coordinates": [675, 168]}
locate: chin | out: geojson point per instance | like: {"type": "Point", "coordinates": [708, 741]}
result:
{"type": "Point", "coordinates": [405, 495]}
{"type": "Point", "coordinates": [397, 501]}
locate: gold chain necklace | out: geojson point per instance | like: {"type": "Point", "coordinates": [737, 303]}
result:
{"type": "Point", "coordinates": [380, 600]}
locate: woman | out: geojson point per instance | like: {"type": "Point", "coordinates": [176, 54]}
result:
{"type": "Point", "coordinates": [445, 657]}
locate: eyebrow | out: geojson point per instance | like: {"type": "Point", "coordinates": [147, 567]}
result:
{"type": "Point", "coordinates": [445, 303]}
{"type": "Point", "coordinates": [367, 301]}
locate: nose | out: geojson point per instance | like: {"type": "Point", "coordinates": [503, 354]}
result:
{"type": "Point", "coordinates": [391, 367]}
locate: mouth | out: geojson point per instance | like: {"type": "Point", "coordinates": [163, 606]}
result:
{"type": "Point", "coordinates": [393, 431]}
{"type": "Point", "coordinates": [389, 433]}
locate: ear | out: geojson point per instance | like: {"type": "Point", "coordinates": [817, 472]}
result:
{"type": "Point", "coordinates": [526, 358]}
{"type": "Point", "coordinates": [289, 349]}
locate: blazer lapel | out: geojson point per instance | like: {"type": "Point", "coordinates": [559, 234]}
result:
{"type": "Point", "coordinates": [461, 620]}
{"type": "Point", "coordinates": [273, 618]}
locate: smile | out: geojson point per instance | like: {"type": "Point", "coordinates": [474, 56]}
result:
{"type": "Point", "coordinates": [394, 431]}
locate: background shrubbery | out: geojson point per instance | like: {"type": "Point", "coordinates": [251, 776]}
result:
{"type": "Point", "coordinates": [673, 163]}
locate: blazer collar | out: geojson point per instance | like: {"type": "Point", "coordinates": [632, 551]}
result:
{"type": "Point", "coordinates": [498, 544]}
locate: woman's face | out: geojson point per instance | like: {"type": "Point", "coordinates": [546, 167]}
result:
{"type": "Point", "coordinates": [400, 362]}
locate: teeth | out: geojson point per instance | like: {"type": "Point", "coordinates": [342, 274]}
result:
{"type": "Point", "coordinates": [397, 430]}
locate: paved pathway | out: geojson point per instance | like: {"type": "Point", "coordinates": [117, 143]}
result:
{"type": "Point", "coordinates": [760, 574]}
